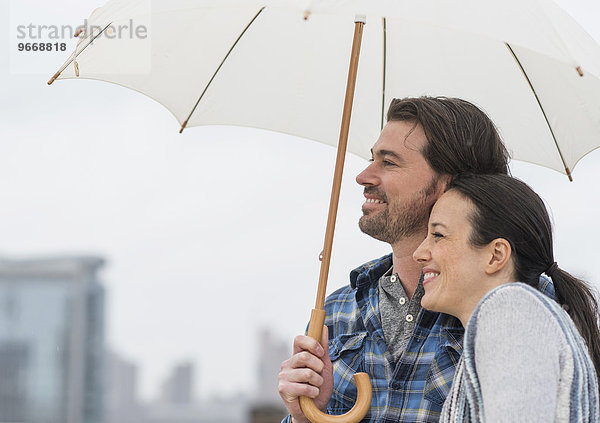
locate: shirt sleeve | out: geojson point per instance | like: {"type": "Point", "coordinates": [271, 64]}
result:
{"type": "Point", "coordinates": [517, 353]}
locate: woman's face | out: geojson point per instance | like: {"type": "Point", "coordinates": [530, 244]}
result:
{"type": "Point", "coordinates": [454, 270]}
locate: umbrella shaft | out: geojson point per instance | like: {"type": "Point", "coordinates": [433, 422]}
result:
{"type": "Point", "coordinates": [339, 165]}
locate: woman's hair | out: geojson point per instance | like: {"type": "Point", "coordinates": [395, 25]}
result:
{"type": "Point", "coordinates": [505, 207]}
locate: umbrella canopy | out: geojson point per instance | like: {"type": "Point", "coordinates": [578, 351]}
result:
{"type": "Point", "coordinates": [281, 65]}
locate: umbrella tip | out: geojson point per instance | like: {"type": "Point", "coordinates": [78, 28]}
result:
{"type": "Point", "coordinates": [306, 14]}
{"type": "Point", "coordinates": [183, 125]}
{"type": "Point", "coordinates": [56, 75]}
{"type": "Point", "coordinates": [579, 71]}
{"type": "Point", "coordinates": [569, 174]}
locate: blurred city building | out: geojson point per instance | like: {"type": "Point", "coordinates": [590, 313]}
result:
{"type": "Point", "coordinates": [178, 388]}
{"type": "Point", "coordinates": [216, 410]}
{"type": "Point", "coordinates": [267, 414]}
{"type": "Point", "coordinates": [51, 340]}
{"type": "Point", "coordinates": [121, 397]}
{"type": "Point", "coordinates": [266, 406]}
{"type": "Point", "coordinates": [177, 402]}
{"type": "Point", "coordinates": [272, 351]}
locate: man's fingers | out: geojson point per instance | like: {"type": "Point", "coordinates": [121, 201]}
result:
{"type": "Point", "coordinates": [301, 376]}
{"type": "Point", "coordinates": [306, 343]}
{"type": "Point", "coordinates": [302, 360]}
{"type": "Point", "coordinates": [290, 392]}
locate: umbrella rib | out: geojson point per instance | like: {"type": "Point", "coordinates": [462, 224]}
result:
{"type": "Point", "coordinates": [567, 170]}
{"type": "Point", "coordinates": [384, 69]}
{"type": "Point", "coordinates": [185, 122]}
{"type": "Point", "coordinates": [57, 74]}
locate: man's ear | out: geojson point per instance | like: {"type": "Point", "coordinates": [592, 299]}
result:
{"type": "Point", "coordinates": [499, 255]}
{"type": "Point", "coordinates": [445, 180]}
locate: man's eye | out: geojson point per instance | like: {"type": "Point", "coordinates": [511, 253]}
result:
{"type": "Point", "coordinates": [388, 163]}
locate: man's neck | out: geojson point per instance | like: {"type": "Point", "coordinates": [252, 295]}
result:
{"type": "Point", "coordinates": [408, 270]}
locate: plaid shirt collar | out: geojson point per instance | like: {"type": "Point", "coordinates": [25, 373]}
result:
{"type": "Point", "coordinates": [369, 273]}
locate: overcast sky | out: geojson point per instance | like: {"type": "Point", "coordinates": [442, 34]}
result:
{"type": "Point", "coordinates": [211, 234]}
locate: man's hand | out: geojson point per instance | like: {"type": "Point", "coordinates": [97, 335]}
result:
{"type": "Point", "coordinates": [307, 373]}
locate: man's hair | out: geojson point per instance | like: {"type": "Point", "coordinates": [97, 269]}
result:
{"type": "Point", "coordinates": [460, 136]}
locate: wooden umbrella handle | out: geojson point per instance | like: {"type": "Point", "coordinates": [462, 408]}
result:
{"type": "Point", "coordinates": [356, 413]}
{"type": "Point", "coordinates": [363, 385]}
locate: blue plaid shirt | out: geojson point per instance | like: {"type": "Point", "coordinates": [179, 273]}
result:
{"type": "Point", "coordinates": [411, 390]}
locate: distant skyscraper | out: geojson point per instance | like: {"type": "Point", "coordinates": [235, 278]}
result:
{"type": "Point", "coordinates": [51, 340]}
{"type": "Point", "coordinates": [272, 351]}
{"type": "Point", "coordinates": [122, 403]}
{"type": "Point", "coordinates": [178, 388]}
{"type": "Point", "coordinates": [266, 405]}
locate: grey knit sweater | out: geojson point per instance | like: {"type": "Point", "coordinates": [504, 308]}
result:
{"type": "Point", "coordinates": [523, 361]}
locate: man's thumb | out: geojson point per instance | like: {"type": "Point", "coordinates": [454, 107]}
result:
{"type": "Point", "coordinates": [325, 344]}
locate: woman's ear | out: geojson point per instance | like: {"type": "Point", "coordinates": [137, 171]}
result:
{"type": "Point", "coordinates": [499, 253]}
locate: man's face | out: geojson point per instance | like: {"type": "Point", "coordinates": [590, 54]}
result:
{"type": "Point", "coordinates": [400, 187]}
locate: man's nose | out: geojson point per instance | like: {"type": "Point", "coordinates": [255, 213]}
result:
{"type": "Point", "coordinates": [367, 176]}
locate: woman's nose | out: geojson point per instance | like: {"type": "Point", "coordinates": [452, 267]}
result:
{"type": "Point", "coordinates": [422, 253]}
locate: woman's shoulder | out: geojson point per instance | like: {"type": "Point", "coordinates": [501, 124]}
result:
{"type": "Point", "coordinates": [519, 298]}
{"type": "Point", "coordinates": [517, 305]}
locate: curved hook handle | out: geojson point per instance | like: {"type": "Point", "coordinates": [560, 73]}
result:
{"type": "Point", "coordinates": [356, 413]}
{"type": "Point", "coordinates": [363, 386]}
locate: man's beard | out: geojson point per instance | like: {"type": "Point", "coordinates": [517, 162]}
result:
{"type": "Point", "coordinates": [399, 220]}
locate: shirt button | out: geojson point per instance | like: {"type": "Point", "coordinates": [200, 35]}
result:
{"type": "Point", "coordinates": [393, 278]}
{"type": "Point", "coordinates": [409, 317]}
{"type": "Point", "coordinates": [402, 301]}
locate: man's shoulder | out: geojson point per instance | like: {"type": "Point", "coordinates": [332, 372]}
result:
{"type": "Point", "coordinates": [547, 287]}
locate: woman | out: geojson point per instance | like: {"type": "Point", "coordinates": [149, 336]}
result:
{"type": "Point", "coordinates": [524, 359]}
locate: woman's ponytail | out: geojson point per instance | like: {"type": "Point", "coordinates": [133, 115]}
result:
{"type": "Point", "coordinates": [579, 301]}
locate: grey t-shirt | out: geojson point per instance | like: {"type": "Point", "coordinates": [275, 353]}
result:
{"type": "Point", "coordinates": [398, 314]}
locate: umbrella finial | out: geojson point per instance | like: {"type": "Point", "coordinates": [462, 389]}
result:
{"type": "Point", "coordinates": [306, 14]}
{"type": "Point", "coordinates": [56, 75]}
{"type": "Point", "coordinates": [579, 71]}
{"type": "Point", "coordinates": [183, 125]}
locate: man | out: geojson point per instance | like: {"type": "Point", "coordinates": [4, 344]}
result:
{"type": "Point", "coordinates": [376, 324]}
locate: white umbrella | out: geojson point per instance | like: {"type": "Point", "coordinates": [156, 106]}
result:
{"type": "Point", "coordinates": [279, 65]}
{"type": "Point", "coordinates": [262, 64]}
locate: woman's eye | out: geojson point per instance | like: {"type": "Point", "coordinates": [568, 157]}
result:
{"type": "Point", "coordinates": [437, 235]}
